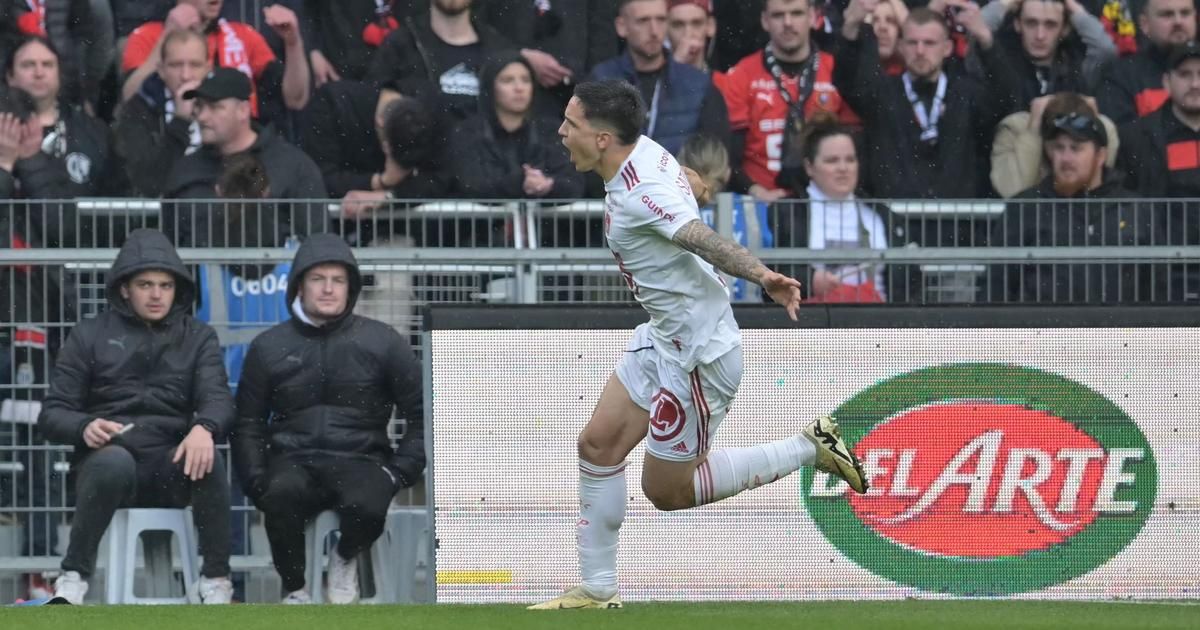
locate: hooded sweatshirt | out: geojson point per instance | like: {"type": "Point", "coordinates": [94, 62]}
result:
{"type": "Point", "coordinates": [165, 377]}
{"type": "Point", "coordinates": [488, 159]}
{"type": "Point", "coordinates": [330, 388]}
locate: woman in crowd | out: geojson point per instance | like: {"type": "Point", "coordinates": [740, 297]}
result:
{"type": "Point", "coordinates": [829, 216]}
{"type": "Point", "coordinates": [507, 151]}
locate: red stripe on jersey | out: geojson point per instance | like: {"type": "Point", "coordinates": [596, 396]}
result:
{"type": "Point", "coordinates": [633, 174]}
{"type": "Point", "coordinates": [628, 183]}
{"type": "Point", "coordinates": [1183, 156]}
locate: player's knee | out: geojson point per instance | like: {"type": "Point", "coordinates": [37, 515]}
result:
{"type": "Point", "coordinates": [595, 451]}
{"type": "Point", "coordinates": [667, 499]}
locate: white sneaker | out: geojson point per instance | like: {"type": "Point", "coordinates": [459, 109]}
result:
{"type": "Point", "coordinates": [343, 579]}
{"type": "Point", "coordinates": [215, 590]}
{"type": "Point", "coordinates": [71, 587]}
{"type": "Point", "coordinates": [297, 597]}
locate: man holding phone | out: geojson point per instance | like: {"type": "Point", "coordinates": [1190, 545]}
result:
{"type": "Point", "coordinates": [141, 392]}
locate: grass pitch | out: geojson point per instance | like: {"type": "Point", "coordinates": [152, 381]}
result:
{"type": "Point", "coordinates": [923, 615]}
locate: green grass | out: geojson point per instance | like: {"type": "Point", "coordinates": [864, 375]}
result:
{"type": "Point", "coordinates": [924, 615]}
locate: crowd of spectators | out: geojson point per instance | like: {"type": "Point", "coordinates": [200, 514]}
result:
{"type": "Point", "coordinates": [373, 102]}
{"type": "Point", "coordinates": [944, 98]}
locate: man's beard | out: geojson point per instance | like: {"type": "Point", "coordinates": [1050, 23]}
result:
{"type": "Point", "coordinates": [454, 8]}
{"type": "Point", "coordinates": [1082, 184]}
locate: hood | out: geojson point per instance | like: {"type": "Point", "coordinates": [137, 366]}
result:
{"type": "Point", "coordinates": [147, 250]}
{"type": "Point", "coordinates": [324, 248]}
{"type": "Point", "coordinates": [487, 85]}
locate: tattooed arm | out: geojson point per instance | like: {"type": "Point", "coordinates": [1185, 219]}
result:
{"type": "Point", "coordinates": [733, 259]}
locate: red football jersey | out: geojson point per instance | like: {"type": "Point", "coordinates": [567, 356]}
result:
{"type": "Point", "coordinates": [756, 106]}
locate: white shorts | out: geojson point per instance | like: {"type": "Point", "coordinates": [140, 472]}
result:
{"type": "Point", "coordinates": [685, 407]}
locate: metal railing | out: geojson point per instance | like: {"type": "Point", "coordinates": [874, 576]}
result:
{"type": "Point", "coordinates": [55, 255]}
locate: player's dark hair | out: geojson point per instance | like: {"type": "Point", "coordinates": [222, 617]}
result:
{"type": "Point", "coordinates": [615, 104]}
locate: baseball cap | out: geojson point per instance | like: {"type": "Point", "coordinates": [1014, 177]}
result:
{"type": "Point", "coordinates": [703, 4]}
{"type": "Point", "coordinates": [1182, 53]}
{"type": "Point", "coordinates": [1078, 126]}
{"type": "Point", "coordinates": [220, 84]}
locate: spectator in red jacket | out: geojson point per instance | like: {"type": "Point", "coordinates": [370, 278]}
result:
{"type": "Point", "coordinates": [774, 90]}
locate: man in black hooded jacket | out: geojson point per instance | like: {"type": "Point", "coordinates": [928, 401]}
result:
{"type": "Point", "coordinates": [314, 403]}
{"type": "Point", "coordinates": [141, 392]}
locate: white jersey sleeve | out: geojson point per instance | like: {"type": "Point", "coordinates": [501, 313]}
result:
{"type": "Point", "coordinates": [663, 207]}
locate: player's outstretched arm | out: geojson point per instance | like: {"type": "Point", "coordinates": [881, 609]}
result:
{"type": "Point", "coordinates": [735, 260]}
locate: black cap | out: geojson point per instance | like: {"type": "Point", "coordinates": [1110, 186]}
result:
{"type": "Point", "coordinates": [1078, 126]}
{"type": "Point", "coordinates": [1182, 53]}
{"type": "Point", "coordinates": [220, 84]}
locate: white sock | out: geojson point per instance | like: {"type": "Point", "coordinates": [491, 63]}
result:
{"type": "Point", "coordinates": [602, 499]}
{"type": "Point", "coordinates": [729, 471]}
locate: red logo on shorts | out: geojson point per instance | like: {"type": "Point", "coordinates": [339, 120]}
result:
{"type": "Point", "coordinates": [666, 416]}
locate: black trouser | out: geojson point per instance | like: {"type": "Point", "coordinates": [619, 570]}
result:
{"type": "Point", "coordinates": [298, 488]}
{"type": "Point", "coordinates": [112, 478]}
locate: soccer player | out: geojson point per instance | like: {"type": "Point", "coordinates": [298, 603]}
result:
{"type": "Point", "coordinates": [681, 369]}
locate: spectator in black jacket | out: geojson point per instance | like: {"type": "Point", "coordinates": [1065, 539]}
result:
{"type": "Point", "coordinates": [414, 166]}
{"type": "Point", "coordinates": [342, 134]}
{"type": "Point", "coordinates": [156, 127]}
{"type": "Point", "coordinates": [926, 129]}
{"type": "Point", "coordinates": [444, 48]}
{"type": "Point", "coordinates": [75, 158]}
{"type": "Point", "coordinates": [1056, 45]}
{"type": "Point", "coordinates": [1160, 157]}
{"type": "Point", "coordinates": [1160, 153]}
{"type": "Point", "coordinates": [328, 379]}
{"type": "Point", "coordinates": [222, 109]}
{"type": "Point", "coordinates": [343, 35]}
{"type": "Point", "coordinates": [507, 151]}
{"type": "Point", "coordinates": [141, 392]}
{"type": "Point", "coordinates": [553, 36]}
{"type": "Point", "coordinates": [1079, 204]}
{"type": "Point", "coordinates": [85, 49]}
{"type": "Point", "coordinates": [1131, 87]}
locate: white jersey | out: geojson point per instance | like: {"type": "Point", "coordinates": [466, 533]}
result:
{"type": "Point", "coordinates": [647, 202]}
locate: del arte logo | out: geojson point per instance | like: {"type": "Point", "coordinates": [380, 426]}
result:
{"type": "Point", "coordinates": [986, 479]}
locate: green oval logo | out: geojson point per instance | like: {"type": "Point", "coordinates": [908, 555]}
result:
{"type": "Point", "coordinates": [987, 480]}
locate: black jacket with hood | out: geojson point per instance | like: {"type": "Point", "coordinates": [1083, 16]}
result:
{"type": "Point", "coordinates": [329, 389]}
{"type": "Point", "coordinates": [488, 158]}
{"type": "Point", "coordinates": [164, 377]}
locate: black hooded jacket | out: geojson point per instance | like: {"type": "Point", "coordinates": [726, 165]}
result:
{"type": "Point", "coordinates": [328, 389]}
{"type": "Point", "coordinates": [164, 377]}
{"type": "Point", "coordinates": [488, 158]}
